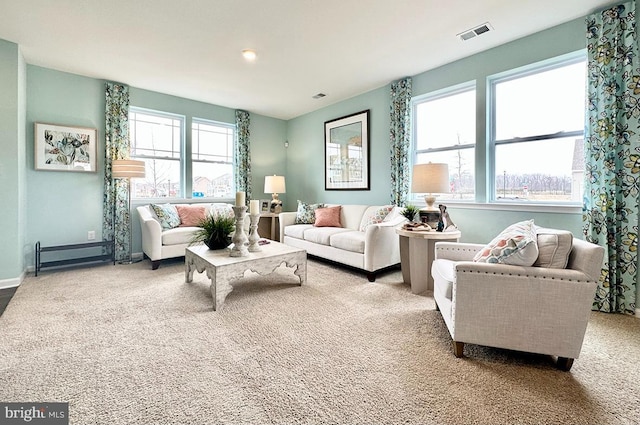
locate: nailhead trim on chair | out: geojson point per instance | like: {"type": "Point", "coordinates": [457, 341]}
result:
{"type": "Point", "coordinates": [525, 275]}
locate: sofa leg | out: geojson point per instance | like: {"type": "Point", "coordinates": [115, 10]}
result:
{"type": "Point", "coordinates": [437, 306]}
{"type": "Point", "coordinates": [155, 264]}
{"type": "Point", "coordinates": [371, 277]}
{"type": "Point", "coordinates": [564, 363]}
{"type": "Point", "coordinates": [458, 348]}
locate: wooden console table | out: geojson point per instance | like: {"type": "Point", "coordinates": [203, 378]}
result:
{"type": "Point", "coordinates": [109, 256]}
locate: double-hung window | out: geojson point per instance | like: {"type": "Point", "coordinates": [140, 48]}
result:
{"type": "Point", "coordinates": [444, 131]}
{"type": "Point", "coordinates": [212, 158]}
{"type": "Point", "coordinates": [157, 138]}
{"type": "Point", "coordinates": [537, 131]}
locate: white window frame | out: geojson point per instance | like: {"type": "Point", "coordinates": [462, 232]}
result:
{"type": "Point", "coordinates": [492, 81]}
{"type": "Point", "coordinates": [231, 162]}
{"type": "Point", "coordinates": [182, 143]}
{"type": "Point", "coordinates": [428, 97]}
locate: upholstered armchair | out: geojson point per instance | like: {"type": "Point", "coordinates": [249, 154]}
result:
{"type": "Point", "coordinates": [543, 308]}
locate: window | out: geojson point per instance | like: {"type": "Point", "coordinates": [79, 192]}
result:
{"type": "Point", "coordinates": [212, 158]}
{"type": "Point", "coordinates": [157, 139]}
{"type": "Point", "coordinates": [445, 132]}
{"type": "Point", "coordinates": [537, 133]}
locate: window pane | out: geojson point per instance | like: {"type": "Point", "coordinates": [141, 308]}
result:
{"type": "Point", "coordinates": [212, 155]}
{"type": "Point", "coordinates": [162, 179]}
{"type": "Point", "coordinates": [548, 171]}
{"type": "Point", "coordinates": [446, 121]}
{"type": "Point", "coordinates": [157, 140]}
{"type": "Point", "coordinates": [461, 171]}
{"type": "Point", "coordinates": [542, 103]}
{"type": "Point", "coordinates": [212, 180]}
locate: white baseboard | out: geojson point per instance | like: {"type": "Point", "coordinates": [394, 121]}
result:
{"type": "Point", "coordinates": [13, 282]}
{"type": "Point", "coordinates": [637, 313]}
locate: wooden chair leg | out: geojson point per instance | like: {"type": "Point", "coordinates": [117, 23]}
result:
{"type": "Point", "coordinates": [458, 348]}
{"type": "Point", "coordinates": [564, 364]}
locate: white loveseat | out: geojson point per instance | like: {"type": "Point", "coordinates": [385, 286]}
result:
{"type": "Point", "coordinates": [371, 250]}
{"type": "Point", "coordinates": [159, 244]}
{"type": "Point", "coordinates": [543, 308]}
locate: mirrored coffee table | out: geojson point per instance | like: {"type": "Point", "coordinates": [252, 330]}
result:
{"type": "Point", "coordinates": [223, 269]}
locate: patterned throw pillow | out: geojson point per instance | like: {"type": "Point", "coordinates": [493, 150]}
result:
{"type": "Point", "coordinates": [328, 217]}
{"type": "Point", "coordinates": [377, 217]}
{"type": "Point", "coordinates": [306, 213]}
{"type": "Point", "coordinates": [167, 215]}
{"type": "Point", "coordinates": [516, 245]}
{"type": "Point", "coordinates": [221, 210]}
{"type": "Point", "coordinates": [191, 215]}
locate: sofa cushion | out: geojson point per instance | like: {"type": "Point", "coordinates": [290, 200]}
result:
{"type": "Point", "coordinates": [443, 272]}
{"type": "Point", "coordinates": [322, 235]}
{"type": "Point", "coordinates": [374, 215]}
{"type": "Point", "coordinates": [178, 235]}
{"type": "Point", "coordinates": [221, 210]}
{"type": "Point", "coordinates": [297, 230]}
{"type": "Point", "coordinates": [554, 247]}
{"type": "Point", "coordinates": [191, 215]}
{"type": "Point", "coordinates": [167, 215]}
{"type": "Point", "coordinates": [306, 212]}
{"type": "Point", "coordinates": [328, 217]}
{"type": "Point", "coordinates": [516, 245]}
{"type": "Point", "coordinates": [352, 240]}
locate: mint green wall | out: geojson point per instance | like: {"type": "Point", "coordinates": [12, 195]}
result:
{"type": "Point", "coordinates": [305, 165]}
{"type": "Point", "coordinates": [62, 206]}
{"type": "Point", "coordinates": [305, 155]}
{"type": "Point", "coordinates": [12, 208]}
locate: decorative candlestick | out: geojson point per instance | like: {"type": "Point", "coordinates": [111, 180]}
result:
{"type": "Point", "coordinates": [239, 238]}
{"type": "Point", "coordinates": [254, 237]}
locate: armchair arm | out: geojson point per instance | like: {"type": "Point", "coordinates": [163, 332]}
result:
{"type": "Point", "coordinates": [456, 251]}
{"type": "Point", "coordinates": [151, 238]}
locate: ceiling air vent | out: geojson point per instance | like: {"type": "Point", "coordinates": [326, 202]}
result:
{"type": "Point", "coordinates": [474, 32]}
{"type": "Point", "coordinates": [319, 96]}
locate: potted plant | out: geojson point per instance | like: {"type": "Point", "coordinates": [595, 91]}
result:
{"type": "Point", "coordinates": [410, 212]}
{"type": "Point", "coordinates": [215, 232]}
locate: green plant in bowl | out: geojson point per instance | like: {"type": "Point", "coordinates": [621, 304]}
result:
{"type": "Point", "coordinates": [215, 232]}
{"type": "Point", "coordinates": [410, 212]}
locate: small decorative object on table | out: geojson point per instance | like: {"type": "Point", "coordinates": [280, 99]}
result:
{"type": "Point", "coordinates": [410, 212]}
{"type": "Point", "coordinates": [417, 227]}
{"type": "Point", "coordinates": [445, 224]}
{"type": "Point", "coordinates": [239, 238]}
{"type": "Point", "coordinates": [254, 216]}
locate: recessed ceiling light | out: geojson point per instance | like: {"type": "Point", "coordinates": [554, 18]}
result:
{"type": "Point", "coordinates": [249, 54]}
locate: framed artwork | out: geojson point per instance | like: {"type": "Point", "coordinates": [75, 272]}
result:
{"type": "Point", "coordinates": [265, 205]}
{"type": "Point", "coordinates": [346, 152]}
{"type": "Point", "coordinates": [64, 148]}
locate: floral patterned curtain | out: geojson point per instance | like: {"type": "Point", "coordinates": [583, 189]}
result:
{"type": "Point", "coordinates": [116, 218]}
{"type": "Point", "coordinates": [400, 134]}
{"type": "Point", "coordinates": [612, 153]}
{"type": "Point", "coordinates": [242, 159]}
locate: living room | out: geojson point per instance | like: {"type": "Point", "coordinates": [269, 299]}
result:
{"type": "Point", "coordinates": [60, 208]}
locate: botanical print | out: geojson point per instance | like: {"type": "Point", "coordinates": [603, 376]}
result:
{"type": "Point", "coordinates": [66, 148]}
{"type": "Point", "coordinates": [612, 178]}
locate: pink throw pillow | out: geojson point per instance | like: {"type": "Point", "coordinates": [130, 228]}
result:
{"type": "Point", "coordinates": [191, 215]}
{"type": "Point", "coordinates": [328, 217]}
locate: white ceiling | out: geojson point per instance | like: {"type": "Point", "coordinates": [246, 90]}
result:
{"type": "Point", "coordinates": [192, 48]}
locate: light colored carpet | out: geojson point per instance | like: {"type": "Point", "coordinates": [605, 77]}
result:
{"type": "Point", "coordinates": [128, 345]}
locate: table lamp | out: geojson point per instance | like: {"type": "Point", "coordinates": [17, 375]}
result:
{"type": "Point", "coordinates": [430, 178]}
{"type": "Point", "coordinates": [274, 185]}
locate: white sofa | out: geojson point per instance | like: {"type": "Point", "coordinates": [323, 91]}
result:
{"type": "Point", "coordinates": [542, 308]}
{"type": "Point", "coordinates": [158, 243]}
{"type": "Point", "coordinates": [372, 250]}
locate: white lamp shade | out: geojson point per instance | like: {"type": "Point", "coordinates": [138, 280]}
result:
{"type": "Point", "coordinates": [430, 178]}
{"type": "Point", "coordinates": [127, 168]}
{"type": "Point", "coordinates": [274, 184]}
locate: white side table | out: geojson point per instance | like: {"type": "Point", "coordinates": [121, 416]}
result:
{"type": "Point", "coordinates": [417, 254]}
